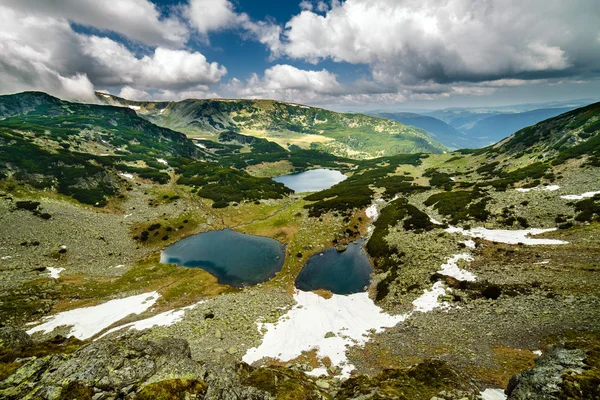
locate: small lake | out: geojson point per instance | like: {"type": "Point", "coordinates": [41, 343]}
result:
{"type": "Point", "coordinates": [313, 180]}
{"type": "Point", "coordinates": [344, 272]}
{"type": "Point", "coordinates": [235, 258]}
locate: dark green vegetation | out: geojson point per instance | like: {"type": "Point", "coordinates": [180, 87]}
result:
{"type": "Point", "coordinates": [389, 258]}
{"type": "Point", "coordinates": [46, 142]}
{"type": "Point", "coordinates": [224, 185]}
{"type": "Point", "coordinates": [369, 136]}
{"type": "Point", "coordinates": [588, 209]}
{"type": "Point", "coordinates": [355, 192]}
{"type": "Point", "coordinates": [421, 382]}
{"type": "Point", "coordinates": [263, 151]}
{"type": "Point", "coordinates": [570, 135]}
{"type": "Point", "coordinates": [460, 205]}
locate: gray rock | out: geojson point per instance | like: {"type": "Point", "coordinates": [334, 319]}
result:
{"type": "Point", "coordinates": [542, 382]}
{"type": "Point", "coordinates": [14, 339]}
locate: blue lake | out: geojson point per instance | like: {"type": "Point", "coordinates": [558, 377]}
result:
{"type": "Point", "coordinates": [313, 180]}
{"type": "Point", "coordinates": [344, 272]}
{"type": "Point", "coordinates": [235, 258]}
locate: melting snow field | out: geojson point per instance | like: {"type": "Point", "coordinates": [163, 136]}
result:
{"type": "Point", "coordinates": [579, 196]}
{"type": "Point", "coordinates": [55, 272]}
{"type": "Point", "coordinates": [507, 236]}
{"type": "Point", "coordinates": [493, 394]}
{"type": "Point", "coordinates": [372, 211]}
{"type": "Point", "coordinates": [428, 301]}
{"type": "Point", "coordinates": [350, 318]}
{"type": "Point", "coordinates": [162, 161]}
{"type": "Point", "coordinates": [126, 175]}
{"type": "Point", "coordinates": [451, 268]}
{"type": "Point", "coordinates": [135, 108]}
{"type": "Point", "coordinates": [166, 318]}
{"type": "Point", "coordinates": [87, 322]}
{"type": "Point", "coordinates": [550, 188]}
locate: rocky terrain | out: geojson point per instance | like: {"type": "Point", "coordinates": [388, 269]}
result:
{"type": "Point", "coordinates": [463, 301]}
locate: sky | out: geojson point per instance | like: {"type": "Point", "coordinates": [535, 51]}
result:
{"type": "Point", "coordinates": [343, 55]}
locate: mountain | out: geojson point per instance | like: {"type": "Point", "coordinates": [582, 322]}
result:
{"type": "Point", "coordinates": [347, 135]}
{"type": "Point", "coordinates": [494, 249]}
{"type": "Point", "coordinates": [78, 149]}
{"type": "Point", "coordinates": [569, 135]}
{"type": "Point", "coordinates": [496, 127]}
{"type": "Point", "coordinates": [441, 131]}
{"type": "Point", "coordinates": [86, 151]}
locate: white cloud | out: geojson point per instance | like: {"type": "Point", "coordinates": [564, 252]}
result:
{"type": "Point", "coordinates": [130, 93]}
{"type": "Point", "coordinates": [306, 5]}
{"type": "Point", "coordinates": [215, 15]}
{"type": "Point", "coordinates": [286, 82]}
{"type": "Point", "coordinates": [451, 40]}
{"type": "Point", "coordinates": [166, 69]}
{"type": "Point", "coordinates": [211, 15]}
{"type": "Point", "coordinates": [44, 53]}
{"type": "Point", "coordinates": [138, 20]}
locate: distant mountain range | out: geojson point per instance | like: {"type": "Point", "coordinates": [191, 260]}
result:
{"type": "Point", "coordinates": [343, 134]}
{"type": "Point", "coordinates": [480, 127]}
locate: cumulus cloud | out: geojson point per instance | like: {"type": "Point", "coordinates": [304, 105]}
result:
{"type": "Point", "coordinates": [214, 15]}
{"type": "Point", "coordinates": [44, 53]}
{"type": "Point", "coordinates": [412, 41]}
{"type": "Point", "coordinates": [112, 64]}
{"type": "Point", "coordinates": [138, 20]}
{"type": "Point", "coordinates": [286, 81]}
{"type": "Point", "coordinates": [130, 93]}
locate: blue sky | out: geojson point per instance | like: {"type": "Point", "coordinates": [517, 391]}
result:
{"type": "Point", "coordinates": [344, 55]}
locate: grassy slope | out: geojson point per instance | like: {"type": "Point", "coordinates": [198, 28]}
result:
{"type": "Point", "coordinates": [355, 135]}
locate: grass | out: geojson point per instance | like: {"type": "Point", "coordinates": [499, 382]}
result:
{"type": "Point", "coordinates": [178, 286]}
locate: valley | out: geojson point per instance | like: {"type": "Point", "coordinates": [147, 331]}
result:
{"type": "Point", "coordinates": [484, 261]}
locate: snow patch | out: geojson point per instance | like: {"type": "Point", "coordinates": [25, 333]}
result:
{"type": "Point", "coordinates": [126, 175]}
{"type": "Point", "coordinates": [105, 95]}
{"type": "Point", "coordinates": [166, 318]}
{"type": "Point", "coordinates": [316, 372]}
{"type": "Point", "coordinates": [200, 145]}
{"type": "Point", "coordinates": [136, 108]}
{"type": "Point", "coordinates": [6, 258]}
{"type": "Point", "coordinates": [550, 188]}
{"type": "Point", "coordinates": [88, 321]}
{"type": "Point", "coordinates": [507, 236]}
{"type": "Point", "coordinates": [372, 211]}
{"type": "Point", "coordinates": [537, 352]}
{"type": "Point", "coordinates": [452, 269]}
{"type": "Point", "coordinates": [428, 301]}
{"type": "Point", "coordinates": [579, 196]}
{"type": "Point", "coordinates": [303, 328]}
{"type": "Point", "coordinates": [162, 161]}
{"type": "Point", "coordinates": [470, 243]}
{"type": "Point", "coordinates": [55, 272]}
{"type": "Point", "coordinates": [493, 394]}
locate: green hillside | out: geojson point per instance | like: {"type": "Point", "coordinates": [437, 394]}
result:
{"type": "Point", "coordinates": [347, 135]}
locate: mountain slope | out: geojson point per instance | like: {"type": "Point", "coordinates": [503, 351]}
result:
{"type": "Point", "coordinates": [570, 135]}
{"type": "Point", "coordinates": [348, 135]}
{"type": "Point", "coordinates": [85, 150]}
{"type": "Point", "coordinates": [494, 128]}
{"type": "Point", "coordinates": [440, 130]}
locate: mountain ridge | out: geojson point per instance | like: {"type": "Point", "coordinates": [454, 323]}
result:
{"type": "Point", "coordinates": [343, 134]}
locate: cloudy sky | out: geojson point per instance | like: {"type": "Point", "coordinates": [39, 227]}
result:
{"type": "Point", "coordinates": [353, 54]}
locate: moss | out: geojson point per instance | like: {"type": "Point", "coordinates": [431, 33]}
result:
{"type": "Point", "coordinates": [284, 384]}
{"type": "Point", "coordinates": [173, 389]}
{"type": "Point", "coordinates": [421, 382]}
{"type": "Point", "coordinates": [76, 391]}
